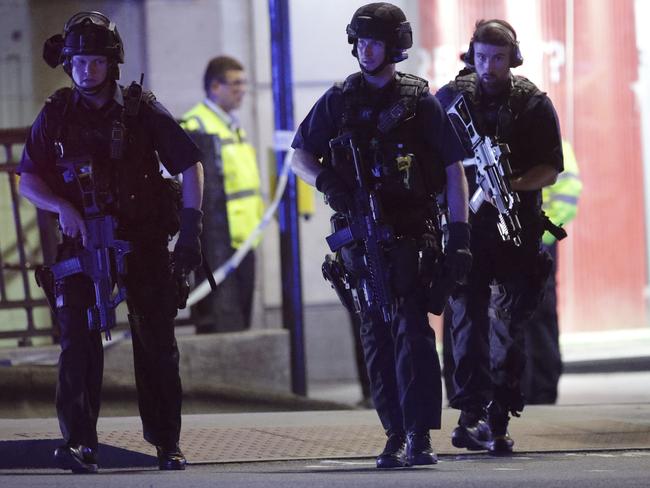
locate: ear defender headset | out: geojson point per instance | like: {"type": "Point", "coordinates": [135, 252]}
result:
{"type": "Point", "coordinates": [507, 33]}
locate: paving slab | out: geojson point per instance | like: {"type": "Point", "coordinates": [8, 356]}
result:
{"type": "Point", "coordinates": [222, 438]}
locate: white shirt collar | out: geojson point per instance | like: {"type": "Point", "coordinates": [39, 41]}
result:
{"type": "Point", "coordinates": [229, 119]}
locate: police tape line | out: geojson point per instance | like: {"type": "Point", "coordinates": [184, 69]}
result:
{"type": "Point", "coordinates": [220, 274]}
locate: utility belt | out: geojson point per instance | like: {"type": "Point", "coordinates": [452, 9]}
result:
{"type": "Point", "coordinates": [413, 263]}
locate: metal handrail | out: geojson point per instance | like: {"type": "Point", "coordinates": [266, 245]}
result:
{"type": "Point", "coordinates": [24, 333]}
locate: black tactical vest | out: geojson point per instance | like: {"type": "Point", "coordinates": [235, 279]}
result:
{"type": "Point", "coordinates": [125, 167]}
{"type": "Point", "coordinates": [521, 91]}
{"type": "Point", "coordinates": [499, 120]}
{"type": "Point", "coordinates": [402, 168]}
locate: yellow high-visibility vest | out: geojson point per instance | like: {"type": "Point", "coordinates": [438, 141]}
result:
{"type": "Point", "coordinates": [305, 192]}
{"type": "Point", "coordinates": [244, 205]}
{"type": "Point", "coordinates": [560, 200]}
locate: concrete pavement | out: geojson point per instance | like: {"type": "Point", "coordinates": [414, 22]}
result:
{"type": "Point", "coordinates": [225, 438]}
{"type": "Point", "coordinates": [606, 411]}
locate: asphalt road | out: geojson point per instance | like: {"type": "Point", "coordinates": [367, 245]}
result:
{"type": "Point", "coordinates": [619, 469]}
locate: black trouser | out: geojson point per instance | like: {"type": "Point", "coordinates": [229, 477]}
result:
{"type": "Point", "coordinates": [242, 283]}
{"type": "Point", "coordinates": [403, 368]}
{"type": "Point", "coordinates": [488, 315]}
{"type": "Point", "coordinates": [152, 305]}
{"type": "Point", "coordinates": [544, 361]}
{"type": "Point", "coordinates": [359, 359]}
{"type": "Point", "coordinates": [244, 276]}
{"type": "Point", "coordinates": [401, 357]}
{"type": "Point", "coordinates": [81, 366]}
{"type": "Point", "coordinates": [448, 365]}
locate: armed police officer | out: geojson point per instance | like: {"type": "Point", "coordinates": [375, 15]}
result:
{"type": "Point", "coordinates": [508, 271]}
{"type": "Point", "coordinates": [92, 154]}
{"type": "Point", "coordinates": [379, 147]}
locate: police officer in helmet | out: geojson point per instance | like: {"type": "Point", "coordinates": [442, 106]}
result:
{"type": "Point", "coordinates": [411, 154]}
{"type": "Point", "coordinates": [114, 134]}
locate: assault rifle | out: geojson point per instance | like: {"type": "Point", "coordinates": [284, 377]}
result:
{"type": "Point", "coordinates": [103, 254]}
{"type": "Point", "coordinates": [363, 225]}
{"type": "Point", "coordinates": [492, 171]}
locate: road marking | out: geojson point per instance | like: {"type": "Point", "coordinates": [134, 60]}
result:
{"type": "Point", "coordinates": [608, 455]}
{"type": "Point", "coordinates": [332, 463]}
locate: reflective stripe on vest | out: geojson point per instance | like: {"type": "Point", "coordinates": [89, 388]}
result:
{"type": "Point", "coordinates": [242, 194]}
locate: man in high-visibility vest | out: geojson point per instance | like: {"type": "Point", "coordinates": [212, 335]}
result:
{"type": "Point", "coordinates": [225, 86]}
{"type": "Point", "coordinates": [543, 359]}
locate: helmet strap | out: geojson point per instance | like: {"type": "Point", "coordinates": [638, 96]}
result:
{"type": "Point", "coordinates": [90, 92]}
{"type": "Point", "coordinates": [375, 71]}
{"type": "Point", "coordinates": [112, 75]}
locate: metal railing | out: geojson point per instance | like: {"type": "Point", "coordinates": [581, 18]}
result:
{"type": "Point", "coordinates": [10, 139]}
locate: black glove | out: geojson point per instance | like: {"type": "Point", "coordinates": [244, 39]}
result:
{"type": "Point", "coordinates": [187, 252]}
{"type": "Point", "coordinates": [336, 192]}
{"type": "Point", "coordinates": [455, 267]}
{"type": "Point", "coordinates": [458, 258]}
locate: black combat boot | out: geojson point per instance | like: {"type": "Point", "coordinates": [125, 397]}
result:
{"type": "Point", "coordinates": [170, 458]}
{"type": "Point", "coordinates": [498, 418]}
{"type": "Point", "coordinates": [78, 459]}
{"type": "Point", "coordinates": [393, 454]}
{"type": "Point", "coordinates": [418, 449]}
{"type": "Point", "coordinates": [472, 433]}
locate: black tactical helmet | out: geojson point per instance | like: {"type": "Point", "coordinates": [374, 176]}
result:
{"type": "Point", "coordinates": [385, 22]}
{"type": "Point", "coordinates": [90, 33]}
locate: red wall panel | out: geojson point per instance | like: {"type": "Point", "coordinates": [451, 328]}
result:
{"type": "Point", "coordinates": [609, 240]}
{"type": "Point", "coordinates": [602, 262]}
